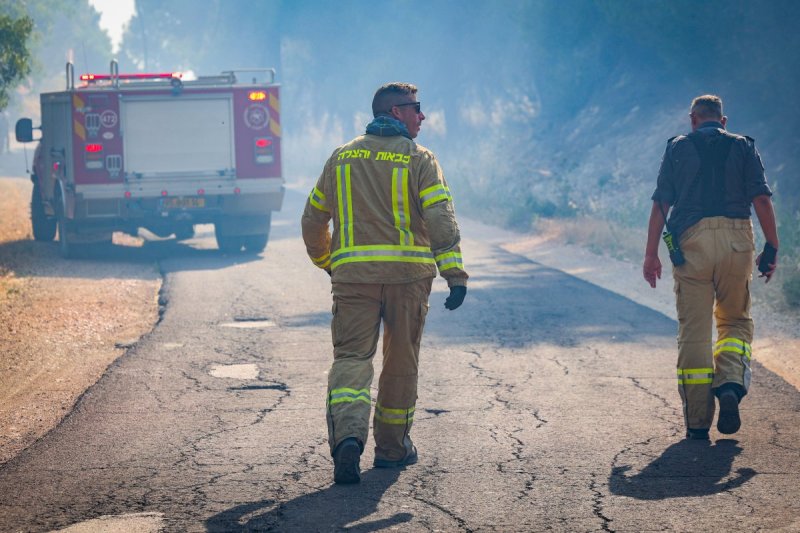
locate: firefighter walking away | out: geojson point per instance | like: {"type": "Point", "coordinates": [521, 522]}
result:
{"type": "Point", "coordinates": [710, 178]}
{"type": "Point", "coordinates": [393, 226]}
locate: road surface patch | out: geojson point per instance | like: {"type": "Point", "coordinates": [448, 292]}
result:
{"type": "Point", "coordinates": [240, 371]}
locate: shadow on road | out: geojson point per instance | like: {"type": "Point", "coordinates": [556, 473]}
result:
{"type": "Point", "coordinates": [686, 469]}
{"type": "Point", "coordinates": [31, 258]}
{"type": "Point", "coordinates": [330, 509]}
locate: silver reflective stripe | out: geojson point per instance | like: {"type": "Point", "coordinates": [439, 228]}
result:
{"type": "Point", "coordinates": [384, 252]}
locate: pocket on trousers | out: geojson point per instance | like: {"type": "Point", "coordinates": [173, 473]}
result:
{"type": "Point", "coordinates": [743, 246]}
{"type": "Point", "coordinates": [742, 257]}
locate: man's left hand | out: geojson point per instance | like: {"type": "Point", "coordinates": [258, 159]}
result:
{"type": "Point", "coordinates": [456, 298]}
{"type": "Point", "coordinates": [772, 267]}
{"type": "Point", "coordinates": [651, 269]}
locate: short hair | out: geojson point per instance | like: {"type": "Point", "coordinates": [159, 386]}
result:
{"type": "Point", "coordinates": [391, 94]}
{"type": "Point", "coordinates": [707, 106]}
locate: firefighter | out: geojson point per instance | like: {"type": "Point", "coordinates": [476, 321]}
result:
{"type": "Point", "coordinates": [710, 178]}
{"type": "Point", "coordinates": [393, 226]}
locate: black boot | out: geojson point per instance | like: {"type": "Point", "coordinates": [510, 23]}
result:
{"type": "Point", "coordinates": [346, 457]}
{"type": "Point", "coordinates": [729, 421]}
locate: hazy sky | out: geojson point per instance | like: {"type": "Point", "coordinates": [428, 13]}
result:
{"type": "Point", "coordinates": [114, 14]}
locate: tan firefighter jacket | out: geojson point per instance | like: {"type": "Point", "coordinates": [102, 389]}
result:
{"type": "Point", "coordinates": [393, 217]}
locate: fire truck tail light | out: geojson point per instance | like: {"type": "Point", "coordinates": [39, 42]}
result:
{"type": "Point", "coordinates": [94, 148]}
{"type": "Point", "coordinates": [127, 194]}
{"type": "Point", "coordinates": [257, 96]}
{"type": "Point", "coordinates": [264, 151]}
{"type": "Point", "coordinates": [237, 190]}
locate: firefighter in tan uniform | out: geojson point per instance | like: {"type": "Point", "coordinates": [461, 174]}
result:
{"type": "Point", "coordinates": [711, 178]}
{"type": "Point", "coordinates": [393, 226]}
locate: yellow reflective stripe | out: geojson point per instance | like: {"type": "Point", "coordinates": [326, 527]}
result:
{"type": "Point", "coordinates": [390, 411]}
{"type": "Point", "coordinates": [382, 252]}
{"type": "Point", "coordinates": [434, 194]}
{"type": "Point", "coordinates": [734, 345]}
{"type": "Point", "coordinates": [322, 261]}
{"type": "Point", "coordinates": [402, 219]}
{"type": "Point", "coordinates": [345, 198]}
{"type": "Point", "coordinates": [394, 416]}
{"type": "Point", "coordinates": [317, 199]}
{"type": "Point", "coordinates": [449, 260]}
{"type": "Point", "coordinates": [695, 376]}
{"type": "Point", "coordinates": [348, 395]}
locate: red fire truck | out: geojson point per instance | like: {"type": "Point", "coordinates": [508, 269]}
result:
{"type": "Point", "coordinates": [119, 152]}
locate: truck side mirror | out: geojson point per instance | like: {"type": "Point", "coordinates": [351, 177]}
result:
{"type": "Point", "coordinates": [24, 130]}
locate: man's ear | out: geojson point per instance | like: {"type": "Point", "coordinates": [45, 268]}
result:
{"type": "Point", "coordinates": [724, 121]}
{"type": "Point", "coordinates": [395, 111]}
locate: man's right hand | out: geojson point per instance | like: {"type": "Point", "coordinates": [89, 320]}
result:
{"type": "Point", "coordinates": [651, 269]}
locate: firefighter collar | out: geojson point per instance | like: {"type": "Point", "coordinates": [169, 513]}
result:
{"type": "Point", "coordinates": [385, 126]}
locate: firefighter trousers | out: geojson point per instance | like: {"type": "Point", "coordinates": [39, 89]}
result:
{"type": "Point", "coordinates": [358, 311]}
{"type": "Point", "coordinates": [713, 283]}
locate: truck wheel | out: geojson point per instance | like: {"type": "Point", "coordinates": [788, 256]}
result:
{"type": "Point", "coordinates": [255, 244]}
{"type": "Point", "coordinates": [230, 244]}
{"type": "Point", "coordinates": [44, 227]}
{"type": "Point", "coordinates": [184, 232]}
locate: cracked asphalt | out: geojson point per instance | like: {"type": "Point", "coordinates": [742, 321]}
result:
{"type": "Point", "coordinates": [545, 404]}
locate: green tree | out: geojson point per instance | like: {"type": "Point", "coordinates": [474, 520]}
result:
{"type": "Point", "coordinates": [15, 59]}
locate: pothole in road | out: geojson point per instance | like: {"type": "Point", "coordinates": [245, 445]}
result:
{"type": "Point", "coordinates": [249, 322]}
{"type": "Point", "coordinates": [240, 371]}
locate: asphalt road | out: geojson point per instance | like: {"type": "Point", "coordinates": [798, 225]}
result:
{"type": "Point", "coordinates": [546, 404]}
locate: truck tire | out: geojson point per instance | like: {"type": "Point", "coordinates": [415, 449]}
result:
{"type": "Point", "coordinates": [227, 242]}
{"type": "Point", "coordinates": [255, 244]}
{"type": "Point", "coordinates": [230, 244]}
{"type": "Point", "coordinates": [184, 232]}
{"type": "Point", "coordinates": [44, 227]}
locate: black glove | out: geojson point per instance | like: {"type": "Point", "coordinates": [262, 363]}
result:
{"type": "Point", "coordinates": [767, 258]}
{"type": "Point", "coordinates": [456, 297]}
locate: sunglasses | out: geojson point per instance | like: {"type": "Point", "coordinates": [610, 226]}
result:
{"type": "Point", "coordinates": [417, 106]}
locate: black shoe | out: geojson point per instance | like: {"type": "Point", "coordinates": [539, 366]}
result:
{"type": "Point", "coordinates": [409, 459]}
{"type": "Point", "coordinates": [697, 434]}
{"type": "Point", "coordinates": [346, 457]}
{"type": "Point", "coordinates": [728, 421]}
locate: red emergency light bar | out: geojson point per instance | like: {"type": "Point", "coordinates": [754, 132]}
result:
{"type": "Point", "coordinates": [263, 143]}
{"type": "Point", "coordinates": [92, 148]}
{"type": "Point", "coordinates": [140, 76]}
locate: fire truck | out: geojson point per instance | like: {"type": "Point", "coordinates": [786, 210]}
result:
{"type": "Point", "coordinates": [120, 152]}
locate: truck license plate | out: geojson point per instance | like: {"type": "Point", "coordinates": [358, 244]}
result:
{"type": "Point", "coordinates": [180, 202]}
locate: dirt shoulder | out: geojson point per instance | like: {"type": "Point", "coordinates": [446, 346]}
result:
{"type": "Point", "coordinates": [61, 322]}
